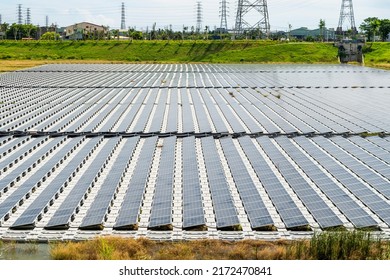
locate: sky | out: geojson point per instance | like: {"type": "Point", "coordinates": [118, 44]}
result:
{"type": "Point", "coordinates": [176, 13]}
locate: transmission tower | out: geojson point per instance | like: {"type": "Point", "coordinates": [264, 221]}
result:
{"type": "Point", "coordinates": [1, 21]}
{"type": "Point", "coordinates": [260, 8]}
{"type": "Point", "coordinates": [199, 16]}
{"type": "Point", "coordinates": [28, 20]}
{"type": "Point", "coordinates": [20, 17]}
{"type": "Point", "coordinates": [346, 14]}
{"type": "Point", "coordinates": [223, 14]}
{"type": "Point", "coordinates": [123, 18]}
{"type": "Point", "coordinates": [47, 21]}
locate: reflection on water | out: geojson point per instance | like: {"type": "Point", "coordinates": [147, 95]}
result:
{"type": "Point", "coordinates": [24, 251]}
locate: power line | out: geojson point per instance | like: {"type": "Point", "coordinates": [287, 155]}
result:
{"type": "Point", "coordinates": [20, 16]}
{"type": "Point", "coordinates": [28, 20]}
{"type": "Point", "coordinates": [260, 8]}
{"type": "Point", "coordinates": [199, 16]}
{"type": "Point", "coordinates": [223, 14]}
{"type": "Point", "coordinates": [123, 17]}
{"type": "Point", "coordinates": [346, 14]}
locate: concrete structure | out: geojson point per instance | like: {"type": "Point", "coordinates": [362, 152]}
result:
{"type": "Point", "coordinates": [351, 51]}
{"type": "Point", "coordinates": [85, 30]}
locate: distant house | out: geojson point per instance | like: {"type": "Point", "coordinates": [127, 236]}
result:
{"type": "Point", "coordinates": [85, 30]}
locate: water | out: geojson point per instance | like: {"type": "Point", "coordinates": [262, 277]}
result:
{"type": "Point", "coordinates": [24, 251]}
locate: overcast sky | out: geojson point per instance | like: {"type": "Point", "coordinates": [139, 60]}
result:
{"type": "Point", "coordinates": [177, 13]}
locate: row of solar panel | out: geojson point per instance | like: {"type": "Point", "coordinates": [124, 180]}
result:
{"type": "Point", "coordinates": [201, 110]}
{"type": "Point", "coordinates": [193, 79]}
{"type": "Point", "coordinates": [200, 68]}
{"type": "Point", "coordinates": [46, 181]}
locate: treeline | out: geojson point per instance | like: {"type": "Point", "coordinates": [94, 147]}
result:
{"type": "Point", "coordinates": [374, 27]}
{"type": "Point", "coordinates": [18, 31]}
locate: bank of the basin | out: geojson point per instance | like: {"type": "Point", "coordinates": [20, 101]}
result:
{"type": "Point", "coordinates": [171, 51]}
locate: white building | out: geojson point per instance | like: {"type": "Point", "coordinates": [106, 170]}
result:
{"type": "Point", "coordinates": [85, 30]}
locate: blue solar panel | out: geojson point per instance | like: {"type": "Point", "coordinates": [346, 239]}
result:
{"type": "Point", "coordinates": [288, 210]}
{"type": "Point", "coordinates": [99, 208]}
{"type": "Point", "coordinates": [224, 209]}
{"type": "Point", "coordinates": [161, 212]}
{"type": "Point", "coordinates": [325, 217]}
{"type": "Point", "coordinates": [258, 214]}
{"type": "Point", "coordinates": [193, 215]}
{"type": "Point", "coordinates": [62, 217]}
{"type": "Point", "coordinates": [355, 186]}
{"type": "Point", "coordinates": [130, 208]}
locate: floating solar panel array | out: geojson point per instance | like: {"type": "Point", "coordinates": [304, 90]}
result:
{"type": "Point", "coordinates": [182, 151]}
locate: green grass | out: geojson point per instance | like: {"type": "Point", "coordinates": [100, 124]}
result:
{"type": "Point", "coordinates": [378, 55]}
{"type": "Point", "coordinates": [171, 52]}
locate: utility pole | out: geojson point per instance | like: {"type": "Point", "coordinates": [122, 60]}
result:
{"type": "Point", "coordinates": [47, 22]}
{"type": "Point", "coordinates": [28, 21]}
{"type": "Point", "coordinates": [244, 8]}
{"type": "Point", "coordinates": [199, 16]}
{"type": "Point", "coordinates": [123, 17]}
{"type": "Point", "coordinates": [346, 14]}
{"type": "Point", "coordinates": [223, 14]}
{"type": "Point", "coordinates": [20, 17]}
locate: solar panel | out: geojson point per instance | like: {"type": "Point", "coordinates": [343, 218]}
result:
{"type": "Point", "coordinates": [193, 215]}
{"type": "Point", "coordinates": [21, 191]}
{"type": "Point", "coordinates": [215, 116]}
{"type": "Point", "coordinates": [69, 206]}
{"type": "Point", "coordinates": [258, 214]}
{"type": "Point", "coordinates": [252, 125]}
{"type": "Point", "coordinates": [370, 147]}
{"type": "Point", "coordinates": [19, 153]}
{"type": "Point", "coordinates": [29, 216]}
{"type": "Point", "coordinates": [201, 115]}
{"type": "Point", "coordinates": [224, 209]}
{"type": "Point", "coordinates": [158, 117]}
{"type": "Point", "coordinates": [363, 172]}
{"type": "Point", "coordinates": [187, 119]}
{"type": "Point", "coordinates": [290, 215]}
{"type": "Point", "coordinates": [97, 212]}
{"type": "Point", "coordinates": [161, 212]}
{"type": "Point", "coordinates": [146, 110]}
{"type": "Point", "coordinates": [348, 180]}
{"type": "Point", "coordinates": [228, 114]}
{"type": "Point", "coordinates": [325, 217]}
{"type": "Point", "coordinates": [129, 211]}
{"type": "Point", "coordinates": [172, 123]}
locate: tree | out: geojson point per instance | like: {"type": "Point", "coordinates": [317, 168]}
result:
{"type": "Point", "coordinates": [4, 27]}
{"type": "Point", "coordinates": [50, 36]}
{"type": "Point", "coordinates": [370, 27]}
{"type": "Point", "coordinates": [322, 26]}
{"type": "Point", "coordinates": [384, 29]}
{"type": "Point", "coordinates": [206, 31]}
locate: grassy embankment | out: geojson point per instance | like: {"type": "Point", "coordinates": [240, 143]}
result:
{"type": "Point", "coordinates": [328, 246]}
{"type": "Point", "coordinates": [25, 54]}
{"type": "Point", "coordinates": [21, 54]}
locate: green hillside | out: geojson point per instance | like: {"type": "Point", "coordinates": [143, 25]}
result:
{"type": "Point", "coordinates": [41, 52]}
{"type": "Point", "coordinates": [173, 51]}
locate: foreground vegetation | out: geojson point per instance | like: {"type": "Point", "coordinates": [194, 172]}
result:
{"type": "Point", "coordinates": [327, 246]}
